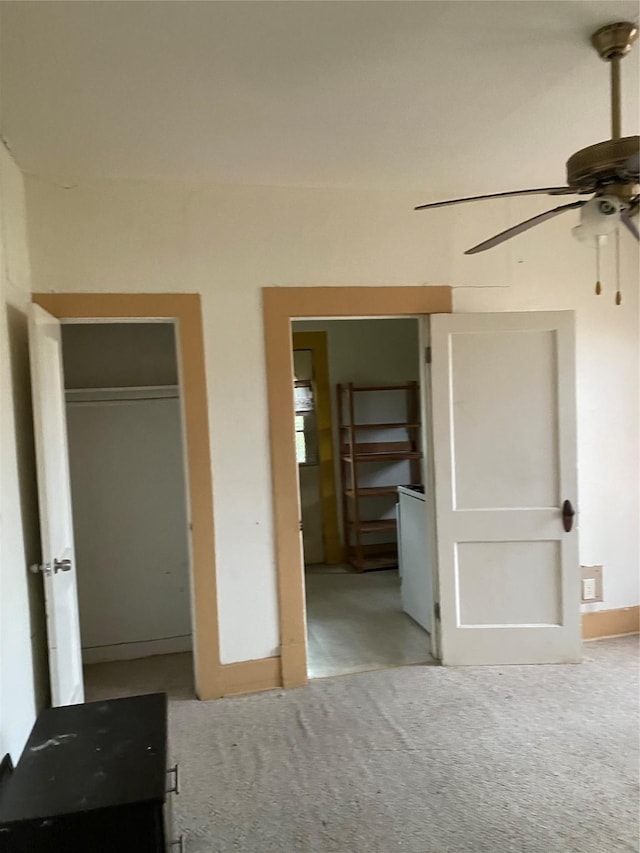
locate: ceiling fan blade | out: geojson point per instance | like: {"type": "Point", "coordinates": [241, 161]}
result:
{"type": "Point", "coordinates": [541, 191]}
{"type": "Point", "coordinates": [629, 224]}
{"type": "Point", "coordinates": [523, 226]}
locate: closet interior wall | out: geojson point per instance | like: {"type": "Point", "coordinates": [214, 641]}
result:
{"type": "Point", "coordinates": [128, 489]}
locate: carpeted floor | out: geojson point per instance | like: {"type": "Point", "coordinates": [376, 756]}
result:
{"type": "Point", "coordinates": [537, 759]}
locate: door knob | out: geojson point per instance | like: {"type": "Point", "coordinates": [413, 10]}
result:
{"type": "Point", "coordinates": [568, 512]}
{"type": "Point", "coordinates": [47, 568]}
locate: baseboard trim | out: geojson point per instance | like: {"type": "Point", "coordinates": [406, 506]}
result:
{"type": "Point", "coordinates": [141, 649]}
{"type": "Point", "coordinates": [251, 676]}
{"type": "Point", "coordinates": [254, 676]}
{"type": "Point", "coordinates": [611, 623]}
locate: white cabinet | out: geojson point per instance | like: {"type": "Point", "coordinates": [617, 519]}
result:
{"type": "Point", "coordinates": [415, 556]}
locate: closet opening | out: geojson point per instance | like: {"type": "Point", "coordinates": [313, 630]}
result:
{"type": "Point", "coordinates": [130, 513]}
{"type": "Point", "coordinates": [363, 482]}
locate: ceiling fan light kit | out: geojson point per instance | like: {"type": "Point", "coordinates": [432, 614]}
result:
{"type": "Point", "coordinates": [609, 170]}
{"type": "Point", "coordinates": [598, 218]}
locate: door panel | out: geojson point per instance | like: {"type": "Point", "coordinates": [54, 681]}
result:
{"type": "Point", "coordinates": [503, 408]}
{"type": "Point", "coordinates": [506, 454]}
{"type": "Point", "coordinates": [54, 497]}
{"type": "Point", "coordinates": [527, 575]}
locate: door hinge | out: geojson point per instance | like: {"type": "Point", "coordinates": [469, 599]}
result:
{"type": "Point", "coordinates": [427, 355]}
{"type": "Point", "coordinates": [436, 610]}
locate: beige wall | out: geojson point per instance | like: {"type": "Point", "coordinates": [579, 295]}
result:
{"type": "Point", "coordinates": [23, 664]}
{"type": "Point", "coordinates": [228, 243]}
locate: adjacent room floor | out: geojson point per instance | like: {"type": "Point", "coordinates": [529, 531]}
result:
{"type": "Point", "coordinates": [355, 623]}
{"type": "Point", "coordinates": [519, 759]}
{"type": "Point", "coordinates": [171, 674]}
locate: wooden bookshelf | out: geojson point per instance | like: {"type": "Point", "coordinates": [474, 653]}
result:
{"type": "Point", "coordinates": [357, 455]}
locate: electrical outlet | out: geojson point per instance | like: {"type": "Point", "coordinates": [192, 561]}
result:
{"type": "Point", "coordinates": [591, 586]}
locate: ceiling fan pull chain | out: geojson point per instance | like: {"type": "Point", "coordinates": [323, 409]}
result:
{"type": "Point", "coordinates": [598, 279]}
{"type": "Point", "coordinates": [618, 291]}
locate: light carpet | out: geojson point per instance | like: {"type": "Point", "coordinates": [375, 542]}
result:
{"type": "Point", "coordinates": [520, 759]}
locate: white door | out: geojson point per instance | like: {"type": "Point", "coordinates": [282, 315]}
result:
{"type": "Point", "coordinates": [504, 427]}
{"type": "Point", "coordinates": [54, 497]}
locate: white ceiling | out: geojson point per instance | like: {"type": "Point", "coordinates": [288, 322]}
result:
{"type": "Point", "coordinates": [440, 97]}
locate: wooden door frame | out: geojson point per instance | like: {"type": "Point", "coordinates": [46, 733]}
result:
{"type": "Point", "coordinates": [184, 310]}
{"type": "Point", "coordinates": [281, 305]}
{"type": "Point", "coordinates": [316, 343]}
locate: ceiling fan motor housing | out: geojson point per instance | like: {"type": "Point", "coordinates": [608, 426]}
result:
{"type": "Point", "coordinates": [602, 166]}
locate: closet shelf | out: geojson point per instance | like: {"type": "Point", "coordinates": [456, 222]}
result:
{"type": "Point", "coordinates": [121, 394]}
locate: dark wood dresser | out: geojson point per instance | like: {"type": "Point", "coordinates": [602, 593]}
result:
{"type": "Point", "coordinates": [93, 778]}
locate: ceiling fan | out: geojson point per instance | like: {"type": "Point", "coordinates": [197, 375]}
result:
{"type": "Point", "coordinates": [609, 171]}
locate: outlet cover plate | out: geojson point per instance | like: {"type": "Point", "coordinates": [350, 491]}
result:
{"type": "Point", "coordinates": [593, 573]}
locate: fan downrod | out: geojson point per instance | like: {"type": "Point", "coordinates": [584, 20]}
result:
{"type": "Point", "coordinates": [613, 42]}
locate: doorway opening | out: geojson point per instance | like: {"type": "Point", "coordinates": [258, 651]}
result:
{"type": "Point", "coordinates": [281, 306]}
{"type": "Point", "coordinates": [129, 502]}
{"type": "Point", "coordinates": [501, 466]}
{"type": "Point", "coordinates": [360, 429]}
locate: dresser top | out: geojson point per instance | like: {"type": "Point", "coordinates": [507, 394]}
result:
{"type": "Point", "coordinates": [92, 756]}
